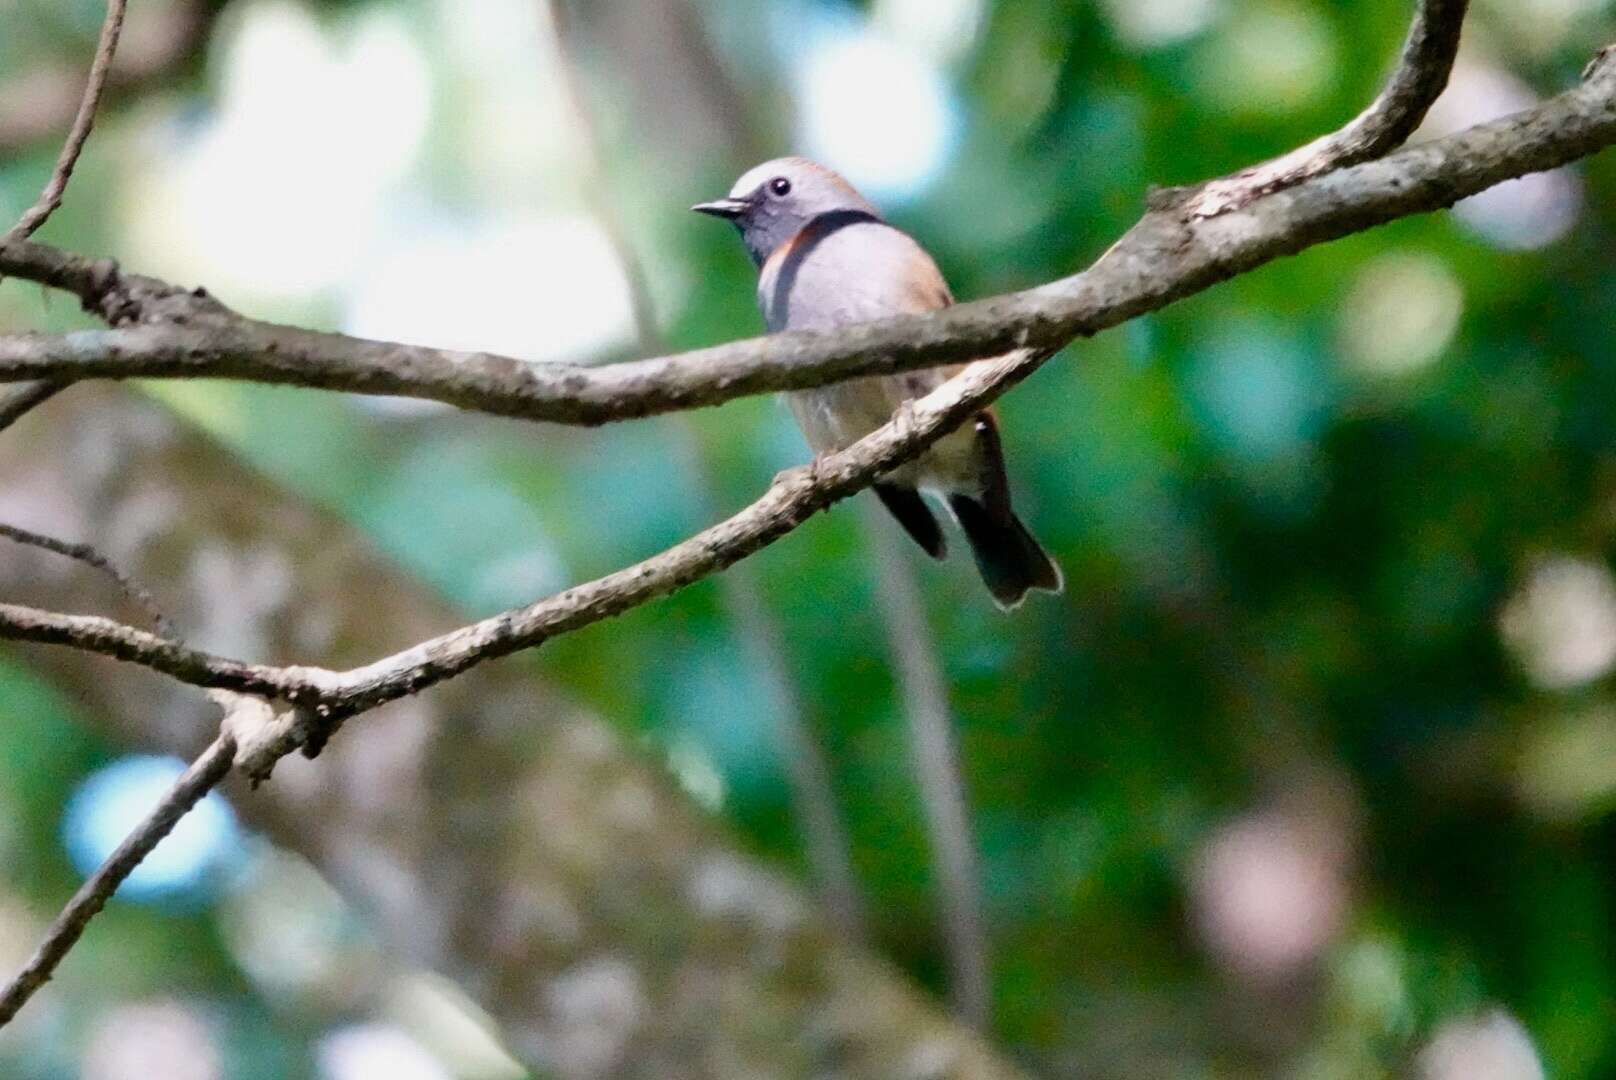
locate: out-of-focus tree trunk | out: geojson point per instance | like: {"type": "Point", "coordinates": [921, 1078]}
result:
{"type": "Point", "coordinates": [665, 74]}
{"type": "Point", "coordinates": [491, 829]}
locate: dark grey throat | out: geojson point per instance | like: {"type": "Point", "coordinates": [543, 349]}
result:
{"type": "Point", "coordinates": [764, 232]}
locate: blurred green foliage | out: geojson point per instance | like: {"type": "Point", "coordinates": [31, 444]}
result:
{"type": "Point", "coordinates": [1287, 566]}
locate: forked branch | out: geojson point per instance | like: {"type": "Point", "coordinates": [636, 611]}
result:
{"type": "Point", "coordinates": [1174, 251]}
{"type": "Point", "coordinates": [23, 399]}
{"type": "Point", "coordinates": [1420, 76]}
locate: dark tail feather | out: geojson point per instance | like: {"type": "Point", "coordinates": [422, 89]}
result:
{"type": "Point", "coordinates": [915, 517]}
{"type": "Point", "coordinates": [1009, 559]}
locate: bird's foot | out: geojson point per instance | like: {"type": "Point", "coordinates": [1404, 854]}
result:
{"type": "Point", "coordinates": [905, 419]}
{"type": "Point", "coordinates": [808, 475]}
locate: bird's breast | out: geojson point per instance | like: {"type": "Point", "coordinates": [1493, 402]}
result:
{"type": "Point", "coordinates": [835, 272]}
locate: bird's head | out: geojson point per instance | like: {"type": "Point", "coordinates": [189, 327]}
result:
{"type": "Point", "coordinates": [773, 201]}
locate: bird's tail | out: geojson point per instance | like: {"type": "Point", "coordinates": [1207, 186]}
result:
{"type": "Point", "coordinates": [1010, 560]}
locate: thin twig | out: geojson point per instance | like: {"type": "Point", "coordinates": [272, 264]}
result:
{"type": "Point", "coordinates": [51, 197]}
{"type": "Point", "coordinates": [207, 771]}
{"type": "Point", "coordinates": [1202, 253]}
{"type": "Point", "coordinates": [204, 774]}
{"type": "Point", "coordinates": [1163, 258]}
{"type": "Point", "coordinates": [1418, 80]}
{"type": "Point", "coordinates": [26, 397]}
{"type": "Point", "coordinates": [97, 634]}
{"type": "Point", "coordinates": [90, 556]}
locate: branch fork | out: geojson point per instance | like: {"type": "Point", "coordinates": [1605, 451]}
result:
{"type": "Point", "coordinates": [1189, 240]}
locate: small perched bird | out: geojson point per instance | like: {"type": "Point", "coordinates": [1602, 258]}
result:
{"type": "Point", "coordinates": [826, 259]}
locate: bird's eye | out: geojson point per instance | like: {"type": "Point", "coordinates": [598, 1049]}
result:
{"type": "Point", "coordinates": [780, 186]}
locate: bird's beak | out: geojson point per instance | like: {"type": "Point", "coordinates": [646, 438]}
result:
{"type": "Point", "coordinates": [722, 208]}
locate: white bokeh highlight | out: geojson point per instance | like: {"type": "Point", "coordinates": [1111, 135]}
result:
{"type": "Point", "coordinates": [943, 30]}
{"type": "Point", "coordinates": [286, 927]}
{"type": "Point", "coordinates": [1523, 214]}
{"type": "Point", "coordinates": [369, 1051]}
{"type": "Point", "coordinates": [534, 286]}
{"type": "Point", "coordinates": [1272, 57]}
{"type": "Point", "coordinates": [438, 1014]}
{"type": "Point", "coordinates": [1401, 312]}
{"type": "Point", "coordinates": [311, 130]}
{"type": "Point", "coordinates": [1269, 893]}
{"type": "Point", "coordinates": [1561, 622]}
{"type": "Point", "coordinates": [110, 801]}
{"type": "Point", "coordinates": [875, 109]}
{"type": "Point", "coordinates": [1490, 1047]}
{"type": "Point", "coordinates": [1155, 24]}
{"type": "Point", "coordinates": [151, 1039]}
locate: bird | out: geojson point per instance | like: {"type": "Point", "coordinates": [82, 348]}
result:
{"type": "Point", "coordinates": [825, 259]}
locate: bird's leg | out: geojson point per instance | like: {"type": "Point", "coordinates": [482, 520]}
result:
{"type": "Point", "coordinates": [809, 472]}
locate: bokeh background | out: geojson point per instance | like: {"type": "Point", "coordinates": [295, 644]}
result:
{"type": "Point", "coordinates": [1308, 774]}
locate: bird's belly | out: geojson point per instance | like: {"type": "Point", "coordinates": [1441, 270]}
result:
{"type": "Point", "coordinates": [835, 417]}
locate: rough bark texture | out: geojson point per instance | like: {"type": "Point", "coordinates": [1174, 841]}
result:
{"type": "Point", "coordinates": [492, 830]}
{"type": "Point", "coordinates": [168, 332]}
{"type": "Point", "coordinates": [1169, 254]}
{"type": "Point", "coordinates": [606, 923]}
{"type": "Point", "coordinates": [1417, 81]}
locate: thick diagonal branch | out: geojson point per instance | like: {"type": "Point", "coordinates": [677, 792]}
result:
{"type": "Point", "coordinates": [1167, 256]}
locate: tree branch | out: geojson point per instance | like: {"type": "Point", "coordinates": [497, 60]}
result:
{"type": "Point", "coordinates": [51, 197]}
{"type": "Point", "coordinates": [1181, 246]}
{"type": "Point", "coordinates": [204, 774]}
{"type": "Point", "coordinates": [331, 697]}
{"type": "Point", "coordinates": [495, 802]}
{"type": "Point", "coordinates": [21, 400]}
{"type": "Point", "coordinates": [1168, 255]}
{"type": "Point", "coordinates": [1421, 74]}
{"type": "Point", "coordinates": [1164, 257]}
{"type": "Point", "coordinates": [94, 633]}
{"type": "Point", "coordinates": [89, 556]}
{"type": "Point", "coordinates": [25, 398]}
